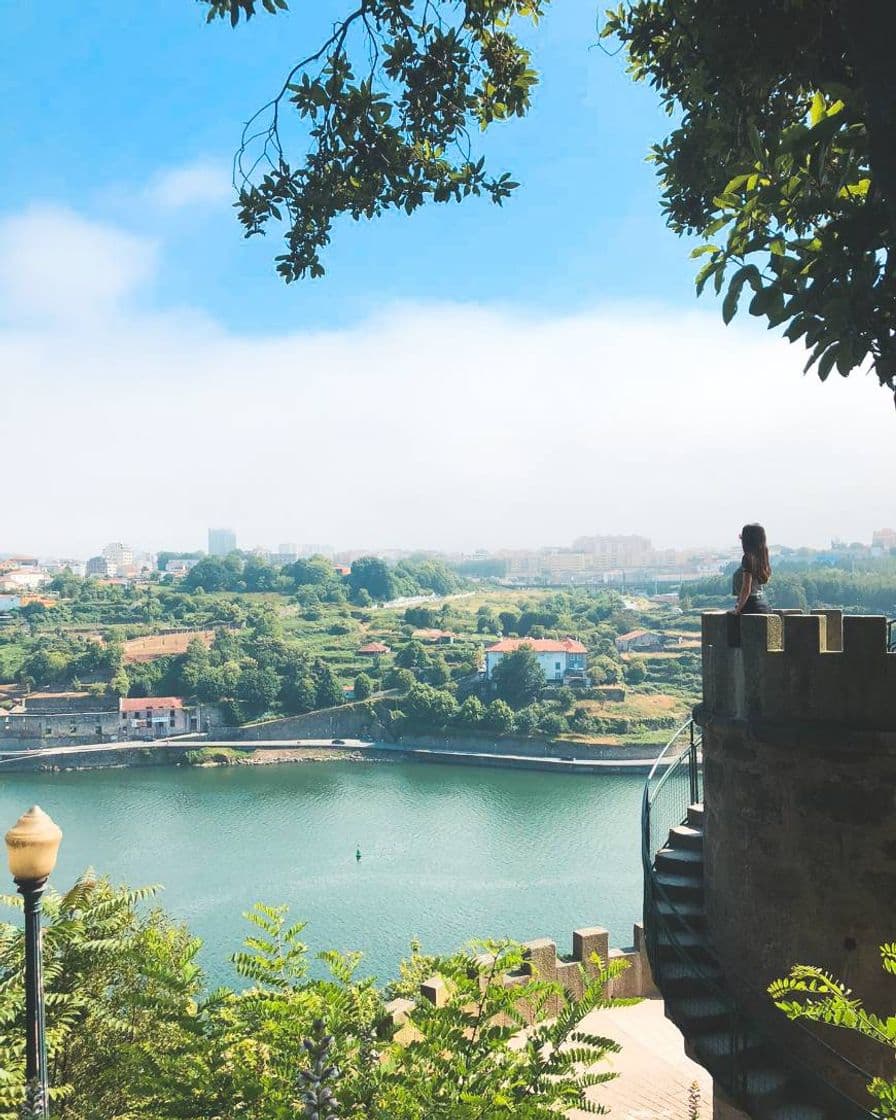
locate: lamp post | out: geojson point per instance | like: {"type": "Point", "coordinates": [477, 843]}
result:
{"type": "Point", "coordinates": [32, 845]}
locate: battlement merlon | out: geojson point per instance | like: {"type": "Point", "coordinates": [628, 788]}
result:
{"type": "Point", "coordinates": [818, 667]}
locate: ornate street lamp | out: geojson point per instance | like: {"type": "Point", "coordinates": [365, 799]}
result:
{"type": "Point", "coordinates": [32, 845]}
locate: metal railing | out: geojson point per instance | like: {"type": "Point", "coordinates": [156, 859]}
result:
{"type": "Point", "coordinates": [675, 782]}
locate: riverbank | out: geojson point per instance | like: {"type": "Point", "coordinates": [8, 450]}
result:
{"type": "Point", "coordinates": [274, 756]}
{"type": "Point", "coordinates": [557, 756]}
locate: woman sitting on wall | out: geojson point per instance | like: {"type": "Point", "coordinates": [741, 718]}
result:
{"type": "Point", "coordinates": [753, 574]}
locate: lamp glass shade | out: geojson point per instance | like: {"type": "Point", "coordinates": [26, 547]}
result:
{"type": "Point", "coordinates": [32, 845]}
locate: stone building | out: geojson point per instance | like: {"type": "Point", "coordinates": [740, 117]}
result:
{"type": "Point", "coordinates": [59, 718]}
{"type": "Point", "coordinates": [790, 858]}
{"type": "Point", "coordinates": [43, 719]}
{"type": "Point", "coordinates": [157, 717]}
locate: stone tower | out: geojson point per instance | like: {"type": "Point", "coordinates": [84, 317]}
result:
{"type": "Point", "coordinates": [789, 858]}
{"type": "Point", "coordinates": [799, 770]}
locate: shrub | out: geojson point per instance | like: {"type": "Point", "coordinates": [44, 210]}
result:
{"type": "Point", "coordinates": [135, 1033]}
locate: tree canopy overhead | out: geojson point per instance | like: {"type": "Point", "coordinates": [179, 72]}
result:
{"type": "Point", "coordinates": [388, 102]}
{"type": "Point", "coordinates": [781, 159]}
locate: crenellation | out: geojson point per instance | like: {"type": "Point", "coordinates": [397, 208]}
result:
{"type": "Point", "coordinates": [818, 667]}
{"type": "Point", "coordinates": [865, 635]}
{"type": "Point", "coordinates": [541, 962]}
{"type": "Point", "coordinates": [804, 636]}
{"type": "Point", "coordinates": [833, 628]}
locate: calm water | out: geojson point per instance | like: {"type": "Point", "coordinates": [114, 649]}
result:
{"type": "Point", "coordinates": [449, 853]}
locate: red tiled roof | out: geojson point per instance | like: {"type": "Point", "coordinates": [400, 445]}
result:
{"type": "Point", "coordinates": [138, 703]}
{"type": "Point", "coordinates": [632, 634]}
{"type": "Point", "coordinates": [374, 647]}
{"type": "Point", "coordinates": [538, 645]}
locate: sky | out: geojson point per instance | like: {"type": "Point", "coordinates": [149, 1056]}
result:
{"type": "Point", "coordinates": [469, 377]}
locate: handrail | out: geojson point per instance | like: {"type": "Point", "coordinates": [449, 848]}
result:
{"type": "Point", "coordinates": [739, 1025]}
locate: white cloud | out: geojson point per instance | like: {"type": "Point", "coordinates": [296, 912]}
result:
{"type": "Point", "coordinates": [203, 182]}
{"type": "Point", "coordinates": [57, 266]}
{"type": "Point", "coordinates": [428, 425]}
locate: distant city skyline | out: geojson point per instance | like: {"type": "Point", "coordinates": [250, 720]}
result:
{"type": "Point", "coordinates": [123, 553]}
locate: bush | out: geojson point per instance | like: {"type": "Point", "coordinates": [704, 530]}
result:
{"type": "Point", "coordinates": [635, 671]}
{"type": "Point", "coordinates": [554, 724]}
{"type": "Point", "coordinates": [135, 1034]}
{"type": "Point", "coordinates": [499, 717]}
{"type": "Point", "coordinates": [472, 712]}
{"type": "Point", "coordinates": [565, 698]}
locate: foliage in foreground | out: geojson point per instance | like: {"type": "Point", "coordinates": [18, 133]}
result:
{"type": "Point", "coordinates": [782, 160]}
{"type": "Point", "coordinates": [810, 993]}
{"type": "Point", "coordinates": [133, 1032]}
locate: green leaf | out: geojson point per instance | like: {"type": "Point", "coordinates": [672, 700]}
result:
{"type": "Point", "coordinates": [826, 362]}
{"type": "Point", "coordinates": [729, 305]}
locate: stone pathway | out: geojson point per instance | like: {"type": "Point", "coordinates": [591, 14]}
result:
{"type": "Point", "coordinates": [655, 1075]}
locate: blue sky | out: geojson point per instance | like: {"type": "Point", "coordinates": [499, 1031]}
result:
{"type": "Point", "coordinates": [103, 96]}
{"type": "Point", "coordinates": [470, 376]}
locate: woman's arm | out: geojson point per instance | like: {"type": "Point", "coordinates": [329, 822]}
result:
{"type": "Point", "coordinates": [746, 586]}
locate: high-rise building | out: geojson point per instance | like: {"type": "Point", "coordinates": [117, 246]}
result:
{"type": "Point", "coordinates": [221, 542]}
{"type": "Point", "coordinates": [884, 538]}
{"type": "Point", "coordinates": [119, 557]}
{"type": "Point", "coordinates": [97, 566]}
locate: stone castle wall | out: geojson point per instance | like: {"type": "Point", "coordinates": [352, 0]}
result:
{"type": "Point", "coordinates": [543, 963]}
{"type": "Point", "coordinates": [799, 764]}
{"type": "Point", "coordinates": [809, 668]}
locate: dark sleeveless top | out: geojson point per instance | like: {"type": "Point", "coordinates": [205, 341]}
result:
{"type": "Point", "coordinates": [747, 564]}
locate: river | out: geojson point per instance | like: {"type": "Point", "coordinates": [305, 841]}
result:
{"type": "Point", "coordinates": [448, 853]}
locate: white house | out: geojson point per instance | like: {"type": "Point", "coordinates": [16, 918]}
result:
{"type": "Point", "coordinates": [558, 659]}
{"type": "Point", "coordinates": [154, 717]}
{"type": "Point", "coordinates": [639, 639]}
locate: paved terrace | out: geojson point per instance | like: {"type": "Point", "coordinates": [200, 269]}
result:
{"type": "Point", "coordinates": [655, 1075]}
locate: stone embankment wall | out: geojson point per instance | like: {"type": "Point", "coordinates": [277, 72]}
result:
{"type": "Point", "coordinates": [150, 755]}
{"type": "Point", "coordinates": [542, 963]}
{"type": "Point", "coordinates": [531, 748]}
{"type": "Point", "coordinates": [799, 750]}
{"type": "Point", "coordinates": [349, 721]}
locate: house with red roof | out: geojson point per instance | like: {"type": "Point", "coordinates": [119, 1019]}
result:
{"type": "Point", "coordinates": [639, 640]}
{"type": "Point", "coordinates": [156, 717]}
{"type": "Point", "coordinates": [558, 658]}
{"type": "Point", "coordinates": [439, 637]}
{"type": "Point", "coordinates": [374, 649]}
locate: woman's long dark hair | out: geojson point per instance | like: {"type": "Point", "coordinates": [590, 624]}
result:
{"type": "Point", "coordinates": [752, 538]}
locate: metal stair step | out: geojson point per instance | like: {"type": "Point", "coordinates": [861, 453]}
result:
{"type": "Point", "coordinates": [765, 1080]}
{"type": "Point", "coordinates": [691, 978]}
{"type": "Point", "coordinates": [685, 836]}
{"type": "Point", "coordinates": [695, 815]}
{"type": "Point", "coordinates": [722, 1044]}
{"type": "Point", "coordinates": [682, 911]}
{"type": "Point", "coordinates": [680, 886]}
{"type": "Point", "coordinates": [682, 861]}
{"type": "Point", "coordinates": [695, 1012]}
{"type": "Point", "coordinates": [798, 1111]}
{"type": "Point", "coordinates": [683, 938]}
